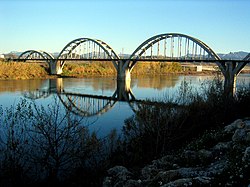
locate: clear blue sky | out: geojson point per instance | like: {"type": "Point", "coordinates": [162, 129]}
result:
{"type": "Point", "coordinates": [50, 24]}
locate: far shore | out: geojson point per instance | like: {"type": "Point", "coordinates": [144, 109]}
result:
{"type": "Point", "coordinates": [19, 70]}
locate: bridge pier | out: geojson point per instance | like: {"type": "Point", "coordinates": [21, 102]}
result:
{"type": "Point", "coordinates": [55, 68]}
{"type": "Point", "coordinates": [230, 71]}
{"type": "Point", "coordinates": [123, 81]}
{"type": "Point", "coordinates": [123, 90]}
{"type": "Point", "coordinates": [56, 85]}
{"type": "Point", "coordinates": [230, 78]}
{"type": "Point", "coordinates": [123, 72]}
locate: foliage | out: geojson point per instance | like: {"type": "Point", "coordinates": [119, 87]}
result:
{"type": "Point", "coordinates": [156, 68]}
{"type": "Point", "coordinates": [155, 130]}
{"type": "Point", "coordinates": [48, 145]}
{"type": "Point", "coordinates": [88, 68]}
{"type": "Point", "coordinates": [32, 70]}
{"type": "Point", "coordinates": [17, 70]}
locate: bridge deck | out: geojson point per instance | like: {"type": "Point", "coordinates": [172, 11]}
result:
{"type": "Point", "coordinates": [140, 60]}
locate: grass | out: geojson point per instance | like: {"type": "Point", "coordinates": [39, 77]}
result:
{"type": "Point", "coordinates": [107, 68]}
{"type": "Point", "coordinates": [88, 69]}
{"type": "Point", "coordinates": [156, 68]}
{"type": "Point", "coordinates": [34, 70]}
{"type": "Point", "coordinates": [17, 70]}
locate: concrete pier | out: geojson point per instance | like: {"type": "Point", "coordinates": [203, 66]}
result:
{"type": "Point", "coordinates": [230, 79]}
{"type": "Point", "coordinates": [123, 71]}
{"type": "Point", "coordinates": [55, 68]}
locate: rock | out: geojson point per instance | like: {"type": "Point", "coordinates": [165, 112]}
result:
{"type": "Point", "coordinates": [119, 171]}
{"type": "Point", "coordinates": [240, 135]}
{"type": "Point", "coordinates": [233, 126]}
{"type": "Point", "coordinates": [216, 168]}
{"type": "Point", "coordinates": [107, 182]}
{"type": "Point", "coordinates": [130, 183]}
{"type": "Point", "coordinates": [166, 162]}
{"type": "Point", "coordinates": [149, 172]}
{"type": "Point", "coordinates": [201, 181]}
{"type": "Point", "coordinates": [248, 137]}
{"type": "Point", "coordinates": [222, 147]}
{"type": "Point", "coordinates": [246, 156]}
{"type": "Point", "coordinates": [167, 176]}
{"type": "Point", "coordinates": [205, 155]}
{"type": "Point", "coordinates": [180, 183]}
{"type": "Point", "coordinates": [190, 157]}
{"type": "Point", "coordinates": [194, 168]}
{"type": "Point", "coordinates": [118, 176]}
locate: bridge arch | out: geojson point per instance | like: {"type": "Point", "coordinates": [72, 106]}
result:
{"type": "Point", "coordinates": [36, 55]}
{"type": "Point", "coordinates": [247, 57]}
{"type": "Point", "coordinates": [37, 94]}
{"type": "Point", "coordinates": [87, 48]}
{"type": "Point", "coordinates": [172, 46]}
{"type": "Point", "coordinates": [86, 106]}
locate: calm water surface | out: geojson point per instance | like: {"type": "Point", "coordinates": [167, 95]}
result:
{"type": "Point", "coordinates": [85, 90]}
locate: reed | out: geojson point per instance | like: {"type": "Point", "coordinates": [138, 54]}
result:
{"type": "Point", "coordinates": [18, 70]}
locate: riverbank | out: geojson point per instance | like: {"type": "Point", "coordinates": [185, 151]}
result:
{"type": "Point", "coordinates": [15, 70]}
{"type": "Point", "coordinates": [19, 70]}
{"type": "Point", "coordinates": [217, 158]}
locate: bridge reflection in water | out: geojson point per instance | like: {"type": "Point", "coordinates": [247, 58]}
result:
{"type": "Point", "coordinates": [87, 105]}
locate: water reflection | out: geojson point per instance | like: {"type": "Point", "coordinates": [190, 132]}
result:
{"type": "Point", "coordinates": [96, 83]}
{"type": "Point", "coordinates": [87, 104]}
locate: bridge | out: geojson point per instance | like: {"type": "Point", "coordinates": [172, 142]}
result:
{"type": "Point", "coordinates": [169, 47]}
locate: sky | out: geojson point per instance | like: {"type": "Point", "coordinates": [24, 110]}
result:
{"type": "Point", "coordinates": [50, 24]}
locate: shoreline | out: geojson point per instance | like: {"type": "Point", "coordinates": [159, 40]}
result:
{"type": "Point", "coordinates": [112, 75]}
{"type": "Point", "coordinates": [24, 71]}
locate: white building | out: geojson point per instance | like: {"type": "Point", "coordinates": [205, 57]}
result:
{"type": "Point", "coordinates": [2, 56]}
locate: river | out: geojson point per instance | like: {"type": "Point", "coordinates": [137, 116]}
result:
{"type": "Point", "coordinates": [109, 114]}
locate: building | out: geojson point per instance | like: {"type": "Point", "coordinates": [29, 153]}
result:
{"type": "Point", "coordinates": [2, 56]}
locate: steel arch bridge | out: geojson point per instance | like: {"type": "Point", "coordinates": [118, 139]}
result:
{"type": "Point", "coordinates": [169, 47]}
{"type": "Point", "coordinates": [162, 47]}
{"type": "Point", "coordinates": [37, 55]}
{"type": "Point", "coordinates": [172, 46]}
{"type": "Point", "coordinates": [87, 49]}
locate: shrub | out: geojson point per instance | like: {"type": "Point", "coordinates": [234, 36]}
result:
{"type": "Point", "coordinates": [155, 130]}
{"type": "Point", "coordinates": [47, 145]}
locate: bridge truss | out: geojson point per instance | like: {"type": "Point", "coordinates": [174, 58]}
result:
{"type": "Point", "coordinates": [172, 46]}
{"type": "Point", "coordinates": [247, 58]}
{"type": "Point", "coordinates": [87, 49]}
{"type": "Point", "coordinates": [37, 55]}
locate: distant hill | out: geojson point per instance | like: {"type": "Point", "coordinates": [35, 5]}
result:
{"type": "Point", "coordinates": [234, 55]}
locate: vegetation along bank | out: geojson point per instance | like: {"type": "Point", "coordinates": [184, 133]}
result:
{"type": "Point", "coordinates": [35, 70]}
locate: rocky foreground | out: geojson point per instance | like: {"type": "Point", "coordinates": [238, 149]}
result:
{"type": "Point", "coordinates": [218, 158]}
